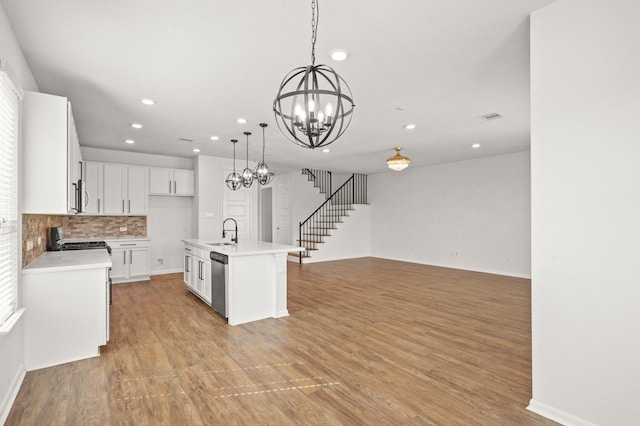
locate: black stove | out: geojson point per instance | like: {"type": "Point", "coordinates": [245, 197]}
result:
{"type": "Point", "coordinates": [85, 245]}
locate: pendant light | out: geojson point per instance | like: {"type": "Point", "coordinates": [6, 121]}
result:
{"type": "Point", "coordinates": [261, 172]}
{"type": "Point", "coordinates": [247, 173]}
{"type": "Point", "coordinates": [234, 181]}
{"type": "Point", "coordinates": [398, 162]}
{"type": "Point", "coordinates": [314, 104]}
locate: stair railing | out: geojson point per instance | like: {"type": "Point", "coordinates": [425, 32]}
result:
{"type": "Point", "coordinates": [313, 229]}
{"type": "Point", "coordinates": [321, 179]}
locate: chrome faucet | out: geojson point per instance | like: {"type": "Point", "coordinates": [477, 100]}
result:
{"type": "Point", "coordinates": [224, 232]}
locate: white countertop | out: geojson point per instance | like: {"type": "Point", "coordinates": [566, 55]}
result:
{"type": "Point", "coordinates": [243, 248]}
{"type": "Point", "coordinates": [70, 260]}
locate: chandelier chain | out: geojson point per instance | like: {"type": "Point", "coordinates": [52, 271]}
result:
{"type": "Point", "coordinates": [315, 16]}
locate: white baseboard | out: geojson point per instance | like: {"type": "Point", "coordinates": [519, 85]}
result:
{"type": "Point", "coordinates": [557, 415]}
{"type": "Point", "coordinates": [282, 313]}
{"type": "Point", "coordinates": [167, 271]}
{"type": "Point", "coordinates": [12, 393]}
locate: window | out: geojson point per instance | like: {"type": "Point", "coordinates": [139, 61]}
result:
{"type": "Point", "coordinates": [9, 108]}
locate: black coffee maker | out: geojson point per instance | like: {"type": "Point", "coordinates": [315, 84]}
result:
{"type": "Point", "coordinates": [55, 238]}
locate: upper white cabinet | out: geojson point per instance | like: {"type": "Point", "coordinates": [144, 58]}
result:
{"type": "Point", "coordinates": [125, 189]}
{"type": "Point", "coordinates": [93, 178]}
{"type": "Point", "coordinates": [51, 156]}
{"type": "Point", "coordinates": [163, 181]}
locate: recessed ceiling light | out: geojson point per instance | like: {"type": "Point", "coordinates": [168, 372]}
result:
{"type": "Point", "coordinates": [148, 101]}
{"type": "Point", "coordinates": [410, 126]}
{"type": "Point", "coordinates": [196, 149]}
{"type": "Point", "coordinates": [214, 138]}
{"type": "Point", "coordinates": [339, 54]}
{"type": "Point", "coordinates": [241, 120]}
{"type": "Point", "coordinates": [129, 141]}
{"type": "Point", "coordinates": [136, 125]}
{"type": "Point", "coordinates": [326, 150]}
{"type": "Point", "coordinates": [475, 145]}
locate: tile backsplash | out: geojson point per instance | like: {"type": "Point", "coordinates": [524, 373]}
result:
{"type": "Point", "coordinates": [36, 225]}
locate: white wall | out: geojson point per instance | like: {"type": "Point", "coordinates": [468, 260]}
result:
{"type": "Point", "coordinates": [169, 221]}
{"type": "Point", "coordinates": [12, 345]}
{"type": "Point", "coordinates": [472, 215]}
{"type": "Point", "coordinates": [126, 157]}
{"type": "Point", "coordinates": [585, 69]}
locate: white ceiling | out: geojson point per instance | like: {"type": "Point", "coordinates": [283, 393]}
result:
{"type": "Point", "coordinates": [440, 64]}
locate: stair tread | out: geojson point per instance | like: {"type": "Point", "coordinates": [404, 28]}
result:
{"type": "Point", "coordinates": [298, 254]}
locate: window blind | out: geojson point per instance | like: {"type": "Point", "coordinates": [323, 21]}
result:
{"type": "Point", "coordinates": [10, 95]}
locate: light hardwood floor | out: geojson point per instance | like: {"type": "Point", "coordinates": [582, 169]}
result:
{"type": "Point", "coordinates": [368, 341]}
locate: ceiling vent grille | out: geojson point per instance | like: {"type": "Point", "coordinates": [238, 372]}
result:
{"type": "Point", "coordinates": [184, 140]}
{"type": "Point", "coordinates": [491, 116]}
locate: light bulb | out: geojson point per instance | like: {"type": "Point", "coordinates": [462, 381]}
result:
{"type": "Point", "coordinates": [312, 105]}
{"type": "Point", "coordinates": [329, 110]}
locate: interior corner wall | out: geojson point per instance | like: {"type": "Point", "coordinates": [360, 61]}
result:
{"type": "Point", "coordinates": [209, 186]}
{"type": "Point", "coordinates": [472, 215]}
{"type": "Point", "coordinates": [585, 94]}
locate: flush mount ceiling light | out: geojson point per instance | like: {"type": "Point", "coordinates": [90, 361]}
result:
{"type": "Point", "coordinates": [214, 138]}
{"type": "Point", "coordinates": [475, 145]}
{"type": "Point", "coordinates": [261, 172]}
{"type": "Point", "coordinates": [148, 101]}
{"type": "Point", "coordinates": [314, 104]}
{"type": "Point", "coordinates": [398, 162]}
{"type": "Point", "coordinates": [410, 126]}
{"type": "Point", "coordinates": [196, 150]}
{"type": "Point", "coordinates": [247, 173]}
{"type": "Point", "coordinates": [241, 120]}
{"type": "Point", "coordinates": [129, 141]}
{"type": "Point", "coordinates": [136, 125]}
{"type": "Point", "coordinates": [234, 181]}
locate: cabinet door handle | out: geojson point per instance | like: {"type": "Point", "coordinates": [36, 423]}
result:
{"type": "Point", "coordinates": [122, 206]}
{"type": "Point", "coordinates": [174, 187]}
{"type": "Point", "coordinates": [129, 206]}
{"type": "Point", "coordinates": [128, 244]}
{"type": "Point", "coordinates": [186, 263]}
{"type": "Point", "coordinates": [124, 257]}
{"type": "Point", "coordinates": [169, 187]}
{"type": "Point", "coordinates": [130, 257]}
{"type": "Point", "coordinates": [98, 205]}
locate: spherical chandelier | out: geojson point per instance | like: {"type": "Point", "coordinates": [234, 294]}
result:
{"type": "Point", "coordinates": [262, 173]}
{"type": "Point", "coordinates": [314, 105]}
{"type": "Point", "coordinates": [234, 181]}
{"type": "Point", "coordinates": [247, 173]}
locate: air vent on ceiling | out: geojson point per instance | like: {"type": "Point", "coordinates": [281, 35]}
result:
{"type": "Point", "coordinates": [184, 140]}
{"type": "Point", "coordinates": [491, 116]}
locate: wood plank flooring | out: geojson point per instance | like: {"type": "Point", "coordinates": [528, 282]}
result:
{"type": "Point", "coordinates": [368, 341]}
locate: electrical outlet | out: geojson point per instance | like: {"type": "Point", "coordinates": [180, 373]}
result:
{"type": "Point", "coordinates": [123, 229]}
{"type": "Point", "coordinates": [29, 245]}
{"type": "Point", "coordinates": [160, 261]}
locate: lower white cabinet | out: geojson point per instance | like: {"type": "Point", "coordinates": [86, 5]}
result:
{"type": "Point", "coordinates": [197, 272]}
{"type": "Point", "coordinates": [130, 260]}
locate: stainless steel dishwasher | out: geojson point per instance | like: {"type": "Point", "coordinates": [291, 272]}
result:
{"type": "Point", "coordinates": [219, 265]}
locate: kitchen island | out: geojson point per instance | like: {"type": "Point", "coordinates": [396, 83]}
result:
{"type": "Point", "coordinates": [254, 285]}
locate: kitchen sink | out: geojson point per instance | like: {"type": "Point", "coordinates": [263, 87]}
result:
{"type": "Point", "coordinates": [221, 244]}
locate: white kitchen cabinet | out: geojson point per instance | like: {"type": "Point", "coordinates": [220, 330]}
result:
{"type": "Point", "coordinates": [51, 155]}
{"type": "Point", "coordinates": [92, 176]}
{"type": "Point", "coordinates": [197, 272]}
{"type": "Point", "coordinates": [66, 295]}
{"type": "Point", "coordinates": [188, 267]}
{"type": "Point", "coordinates": [163, 181]}
{"type": "Point", "coordinates": [125, 189]}
{"type": "Point", "coordinates": [130, 259]}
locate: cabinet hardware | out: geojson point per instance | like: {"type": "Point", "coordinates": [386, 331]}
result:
{"type": "Point", "coordinates": [174, 187]}
{"type": "Point", "coordinates": [186, 263]}
{"type": "Point", "coordinates": [128, 244]}
{"type": "Point", "coordinates": [124, 257]}
{"type": "Point", "coordinates": [188, 249]}
{"type": "Point", "coordinates": [122, 206]}
{"type": "Point", "coordinates": [130, 257]}
{"type": "Point", "coordinates": [86, 198]}
{"type": "Point", "coordinates": [98, 205]}
{"type": "Point", "coordinates": [129, 206]}
{"type": "Point", "coordinates": [169, 187]}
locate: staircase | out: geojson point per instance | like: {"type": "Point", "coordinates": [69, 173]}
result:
{"type": "Point", "coordinates": [325, 219]}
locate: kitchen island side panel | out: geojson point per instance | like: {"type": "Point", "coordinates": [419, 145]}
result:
{"type": "Point", "coordinates": [251, 288]}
